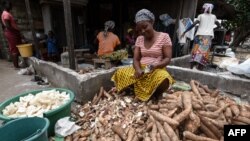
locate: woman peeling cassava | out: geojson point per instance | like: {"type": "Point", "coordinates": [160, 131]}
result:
{"type": "Point", "coordinates": [152, 54]}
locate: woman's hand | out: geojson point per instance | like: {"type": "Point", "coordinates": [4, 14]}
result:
{"type": "Point", "coordinates": [152, 67]}
{"type": "Point", "coordinates": [149, 68]}
{"type": "Point", "coordinates": [138, 73]}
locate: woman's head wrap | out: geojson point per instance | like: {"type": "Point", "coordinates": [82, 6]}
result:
{"type": "Point", "coordinates": [208, 7]}
{"type": "Point", "coordinates": [144, 15]}
{"type": "Point", "coordinates": [108, 25]}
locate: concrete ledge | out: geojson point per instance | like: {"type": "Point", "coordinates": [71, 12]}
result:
{"type": "Point", "coordinates": [181, 61]}
{"type": "Point", "coordinates": [233, 85]}
{"type": "Point", "coordinates": [85, 86]}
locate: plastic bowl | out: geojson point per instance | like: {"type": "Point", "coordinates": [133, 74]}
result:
{"type": "Point", "coordinates": [28, 129]}
{"type": "Point", "coordinates": [127, 61]}
{"type": "Point", "coordinates": [52, 115]}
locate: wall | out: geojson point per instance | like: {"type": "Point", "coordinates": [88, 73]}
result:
{"type": "Point", "coordinates": [189, 9]}
{"type": "Point", "coordinates": [20, 14]}
{"type": "Point", "coordinates": [235, 86]}
{"type": "Point", "coordinates": [87, 85]}
{"type": "Point", "coordinates": [75, 2]}
{"type": "Point", "coordinates": [181, 61]}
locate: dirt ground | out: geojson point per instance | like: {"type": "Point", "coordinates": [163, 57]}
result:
{"type": "Point", "coordinates": [12, 84]}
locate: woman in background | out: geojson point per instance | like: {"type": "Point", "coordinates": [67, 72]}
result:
{"type": "Point", "coordinates": [108, 42]}
{"type": "Point", "coordinates": [11, 32]}
{"type": "Point", "coordinates": [52, 46]}
{"type": "Point", "coordinates": [130, 41]}
{"type": "Point", "coordinates": [203, 38]}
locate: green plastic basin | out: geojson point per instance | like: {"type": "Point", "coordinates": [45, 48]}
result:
{"type": "Point", "coordinates": [52, 115]}
{"type": "Point", "coordinates": [25, 129]}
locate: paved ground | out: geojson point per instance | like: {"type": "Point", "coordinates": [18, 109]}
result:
{"type": "Point", "coordinates": [12, 84]}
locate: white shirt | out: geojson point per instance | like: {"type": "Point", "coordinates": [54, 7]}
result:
{"type": "Point", "coordinates": [206, 26]}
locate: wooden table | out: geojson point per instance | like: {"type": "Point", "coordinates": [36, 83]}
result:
{"type": "Point", "coordinates": [105, 62]}
{"type": "Point", "coordinates": [79, 55]}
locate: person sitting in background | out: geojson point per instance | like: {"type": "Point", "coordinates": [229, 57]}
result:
{"type": "Point", "coordinates": [153, 52]}
{"type": "Point", "coordinates": [108, 42]}
{"type": "Point", "coordinates": [52, 46]}
{"type": "Point", "coordinates": [130, 41]}
{"type": "Point", "coordinates": [130, 38]}
{"type": "Point", "coordinates": [227, 37]}
{"type": "Point", "coordinates": [203, 38]}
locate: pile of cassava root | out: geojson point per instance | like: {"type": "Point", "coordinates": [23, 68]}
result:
{"type": "Point", "coordinates": [197, 115]}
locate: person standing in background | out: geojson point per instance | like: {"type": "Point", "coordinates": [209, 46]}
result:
{"type": "Point", "coordinates": [203, 38]}
{"type": "Point", "coordinates": [52, 46]}
{"type": "Point", "coordinates": [11, 32]}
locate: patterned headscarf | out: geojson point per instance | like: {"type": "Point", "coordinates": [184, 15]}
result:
{"type": "Point", "coordinates": [144, 15]}
{"type": "Point", "coordinates": [208, 6]}
{"type": "Point", "coordinates": [108, 25]}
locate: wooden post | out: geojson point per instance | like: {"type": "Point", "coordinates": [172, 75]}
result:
{"type": "Point", "coordinates": [27, 3]}
{"type": "Point", "coordinates": [120, 19]}
{"type": "Point", "coordinates": [177, 24]}
{"type": "Point", "coordinates": [195, 8]}
{"type": "Point", "coordinates": [69, 33]}
{"type": "Point", "coordinates": [85, 29]}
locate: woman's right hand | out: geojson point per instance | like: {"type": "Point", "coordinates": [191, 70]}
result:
{"type": "Point", "coordinates": [138, 73]}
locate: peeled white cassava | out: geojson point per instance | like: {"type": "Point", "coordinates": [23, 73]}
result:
{"type": "Point", "coordinates": [35, 105]}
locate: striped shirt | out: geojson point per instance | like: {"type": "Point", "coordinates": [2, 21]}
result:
{"type": "Point", "coordinates": [154, 54]}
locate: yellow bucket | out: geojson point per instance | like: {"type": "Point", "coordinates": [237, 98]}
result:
{"type": "Point", "coordinates": [25, 50]}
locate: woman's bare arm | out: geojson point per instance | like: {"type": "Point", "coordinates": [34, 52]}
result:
{"type": "Point", "coordinates": [167, 55]}
{"type": "Point", "coordinates": [137, 58]}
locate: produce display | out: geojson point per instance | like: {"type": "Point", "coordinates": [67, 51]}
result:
{"type": "Point", "coordinates": [35, 105]}
{"type": "Point", "coordinates": [197, 115]}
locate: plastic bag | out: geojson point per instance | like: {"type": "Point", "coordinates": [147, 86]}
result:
{"type": "Point", "coordinates": [241, 69]}
{"type": "Point", "coordinates": [228, 62]}
{"type": "Point", "coordinates": [27, 71]}
{"type": "Point", "coordinates": [181, 86]}
{"type": "Point", "coordinates": [230, 53]}
{"type": "Point", "coordinates": [65, 127]}
{"type": "Point", "coordinates": [166, 19]}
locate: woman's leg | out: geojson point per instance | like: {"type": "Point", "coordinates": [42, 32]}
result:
{"type": "Point", "coordinates": [123, 78]}
{"type": "Point", "coordinates": [13, 40]}
{"type": "Point", "coordinates": [25, 61]}
{"type": "Point", "coordinates": [161, 88]}
{"type": "Point", "coordinates": [200, 67]}
{"type": "Point", "coordinates": [15, 60]}
{"type": "Point", "coordinates": [192, 64]}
